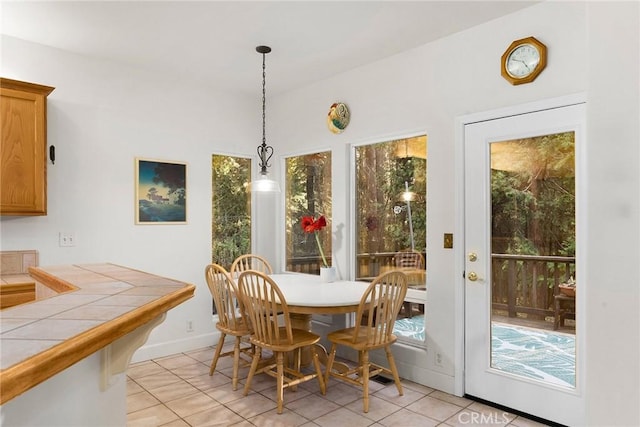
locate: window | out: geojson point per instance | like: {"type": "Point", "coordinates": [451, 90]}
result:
{"type": "Point", "coordinates": [308, 193]}
{"type": "Point", "coordinates": [230, 208]}
{"type": "Point", "coordinates": [390, 189]}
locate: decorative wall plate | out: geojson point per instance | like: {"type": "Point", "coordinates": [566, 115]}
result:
{"type": "Point", "coordinates": [338, 117]}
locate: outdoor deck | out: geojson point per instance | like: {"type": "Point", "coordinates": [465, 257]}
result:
{"type": "Point", "coordinates": [523, 286]}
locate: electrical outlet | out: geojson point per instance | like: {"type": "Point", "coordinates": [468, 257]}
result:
{"type": "Point", "coordinates": [189, 325]}
{"type": "Point", "coordinates": [438, 360]}
{"type": "Point", "coordinates": [66, 239]}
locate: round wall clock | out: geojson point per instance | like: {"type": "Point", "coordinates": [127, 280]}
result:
{"type": "Point", "coordinates": [523, 61]}
{"type": "Point", "coordinates": [338, 117]}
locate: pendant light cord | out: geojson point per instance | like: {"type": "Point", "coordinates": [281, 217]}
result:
{"type": "Point", "coordinates": [264, 101]}
{"type": "Point", "coordinates": [264, 151]}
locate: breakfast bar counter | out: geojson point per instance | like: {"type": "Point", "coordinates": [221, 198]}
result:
{"type": "Point", "coordinates": [101, 311]}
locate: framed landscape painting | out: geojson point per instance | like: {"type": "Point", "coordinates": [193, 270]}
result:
{"type": "Point", "coordinates": [161, 192]}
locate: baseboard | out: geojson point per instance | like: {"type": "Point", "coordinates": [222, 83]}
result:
{"type": "Point", "coordinates": [420, 375]}
{"type": "Point", "coordinates": [167, 348]}
{"type": "Point", "coordinates": [427, 377]}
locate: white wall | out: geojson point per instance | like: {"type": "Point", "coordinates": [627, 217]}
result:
{"type": "Point", "coordinates": [612, 352]}
{"type": "Point", "coordinates": [592, 49]}
{"type": "Point", "coordinates": [100, 117]}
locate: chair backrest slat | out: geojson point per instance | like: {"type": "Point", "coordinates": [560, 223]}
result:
{"type": "Point", "coordinates": [381, 303]}
{"type": "Point", "coordinates": [225, 296]}
{"type": "Point", "coordinates": [264, 302]}
{"type": "Point", "coordinates": [250, 262]}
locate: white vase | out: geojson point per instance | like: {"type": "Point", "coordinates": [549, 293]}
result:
{"type": "Point", "coordinates": [327, 274]}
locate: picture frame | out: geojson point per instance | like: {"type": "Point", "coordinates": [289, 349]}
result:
{"type": "Point", "coordinates": [160, 192]}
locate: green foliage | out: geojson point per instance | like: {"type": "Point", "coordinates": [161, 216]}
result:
{"type": "Point", "coordinates": [533, 196]}
{"type": "Point", "coordinates": [308, 193]}
{"type": "Point", "coordinates": [381, 213]}
{"type": "Point", "coordinates": [231, 205]}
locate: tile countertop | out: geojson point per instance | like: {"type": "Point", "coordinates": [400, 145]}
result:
{"type": "Point", "coordinates": [99, 304]}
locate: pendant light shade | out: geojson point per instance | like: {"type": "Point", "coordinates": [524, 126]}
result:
{"type": "Point", "coordinates": [263, 183]}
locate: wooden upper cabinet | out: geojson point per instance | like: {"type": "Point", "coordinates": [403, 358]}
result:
{"type": "Point", "coordinates": [23, 148]}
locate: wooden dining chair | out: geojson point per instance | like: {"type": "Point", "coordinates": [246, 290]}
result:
{"type": "Point", "coordinates": [231, 319]}
{"type": "Point", "coordinates": [373, 329]}
{"type": "Point", "coordinates": [264, 302]}
{"type": "Point", "coordinates": [250, 262]}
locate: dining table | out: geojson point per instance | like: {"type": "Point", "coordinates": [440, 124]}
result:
{"type": "Point", "coordinates": [307, 294]}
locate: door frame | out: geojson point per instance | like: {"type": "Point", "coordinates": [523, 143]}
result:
{"type": "Point", "coordinates": [459, 256]}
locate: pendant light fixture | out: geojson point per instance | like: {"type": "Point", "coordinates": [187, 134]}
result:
{"type": "Point", "coordinates": [264, 183]}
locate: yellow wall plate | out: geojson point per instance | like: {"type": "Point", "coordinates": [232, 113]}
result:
{"type": "Point", "coordinates": [338, 117]}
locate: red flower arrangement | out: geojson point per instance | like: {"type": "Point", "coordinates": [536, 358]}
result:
{"type": "Point", "coordinates": [311, 225]}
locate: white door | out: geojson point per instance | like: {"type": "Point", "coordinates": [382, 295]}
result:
{"type": "Point", "coordinates": [515, 353]}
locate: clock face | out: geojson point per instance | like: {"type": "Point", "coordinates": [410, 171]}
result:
{"type": "Point", "coordinates": [522, 61]}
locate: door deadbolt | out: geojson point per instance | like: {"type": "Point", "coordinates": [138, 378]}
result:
{"type": "Point", "coordinates": [473, 256]}
{"type": "Point", "coordinates": [472, 276]}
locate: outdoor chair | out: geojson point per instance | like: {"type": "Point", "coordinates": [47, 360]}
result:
{"type": "Point", "coordinates": [412, 263]}
{"type": "Point", "coordinates": [373, 329]}
{"type": "Point", "coordinates": [409, 259]}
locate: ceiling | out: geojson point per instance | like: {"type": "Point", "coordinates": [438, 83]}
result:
{"type": "Point", "coordinates": [213, 42]}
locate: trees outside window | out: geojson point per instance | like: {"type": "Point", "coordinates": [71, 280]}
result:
{"type": "Point", "coordinates": [307, 193]}
{"type": "Point", "coordinates": [386, 222]}
{"type": "Point", "coordinates": [230, 208]}
{"type": "Point", "coordinates": [533, 195]}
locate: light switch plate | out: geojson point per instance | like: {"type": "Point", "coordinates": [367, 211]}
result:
{"type": "Point", "coordinates": [66, 239]}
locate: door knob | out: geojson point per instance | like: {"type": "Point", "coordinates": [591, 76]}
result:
{"type": "Point", "coordinates": [472, 276]}
{"type": "Point", "coordinates": [473, 256]}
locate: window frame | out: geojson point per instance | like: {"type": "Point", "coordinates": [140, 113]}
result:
{"type": "Point", "coordinates": [413, 295]}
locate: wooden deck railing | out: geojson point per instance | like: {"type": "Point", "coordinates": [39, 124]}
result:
{"type": "Point", "coordinates": [369, 265]}
{"type": "Point", "coordinates": [309, 265]}
{"type": "Point", "coordinates": [526, 284]}
{"type": "Point", "coordinates": [521, 284]}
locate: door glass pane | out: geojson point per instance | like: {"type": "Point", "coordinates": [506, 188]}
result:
{"type": "Point", "coordinates": [308, 194]}
{"type": "Point", "coordinates": [391, 190]}
{"type": "Point", "coordinates": [533, 243]}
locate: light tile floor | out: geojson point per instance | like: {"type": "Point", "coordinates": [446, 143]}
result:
{"type": "Point", "coordinates": [177, 391]}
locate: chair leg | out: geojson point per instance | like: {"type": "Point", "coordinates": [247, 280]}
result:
{"type": "Point", "coordinates": [236, 362]}
{"type": "Point", "coordinates": [280, 379]}
{"type": "Point", "coordinates": [364, 360]}
{"type": "Point", "coordinates": [252, 370]}
{"type": "Point", "coordinates": [394, 370]}
{"type": "Point", "coordinates": [297, 359]}
{"type": "Point", "coordinates": [316, 362]}
{"type": "Point", "coordinates": [216, 355]}
{"type": "Point", "coordinates": [332, 356]}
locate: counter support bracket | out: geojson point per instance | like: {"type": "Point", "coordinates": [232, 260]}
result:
{"type": "Point", "coordinates": [115, 357]}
